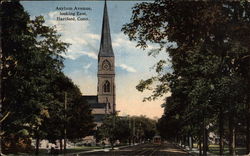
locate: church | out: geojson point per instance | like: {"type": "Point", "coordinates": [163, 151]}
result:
{"type": "Point", "coordinates": [104, 102]}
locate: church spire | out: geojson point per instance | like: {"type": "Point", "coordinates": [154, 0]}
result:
{"type": "Point", "coordinates": [106, 44]}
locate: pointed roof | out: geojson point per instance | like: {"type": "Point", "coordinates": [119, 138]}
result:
{"type": "Point", "coordinates": [106, 44]}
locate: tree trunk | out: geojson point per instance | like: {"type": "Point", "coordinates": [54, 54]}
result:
{"type": "Point", "coordinates": [112, 144]}
{"type": "Point", "coordinates": [204, 143]}
{"type": "Point", "coordinates": [190, 141]}
{"type": "Point", "coordinates": [234, 142]}
{"type": "Point", "coordinates": [37, 144]}
{"type": "Point", "coordinates": [231, 135]}
{"type": "Point", "coordinates": [248, 137]}
{"type": "Point", "coordinates": [248, 124]}
{"type": "Point", "coordinates": [248, 110]}
{"type": "Point", "coordinates": [204, 135]}
{"type": "Point", "coordinates": [65, 117]}
{"type": "Point", "coordinates": [1, 63]}
{"type": "Point", "coordinates": [221, 130]}
{"type": "Point", "coordinates": [207, 148]}
{"type": "Point", "coordinates": [61, 145]}
{"type": "Point", "coordinates": [184, 140]}
{"type": "Point", "coordinates": [64, 146]}
{"type": "Point", "coordinates": [247, 134]}
{"type": "Point", "coordinates": [199, 144]}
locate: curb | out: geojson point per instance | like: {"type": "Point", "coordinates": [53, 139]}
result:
{"type": "Point", "coordinates": [97, 150]}
{"type": "Point", "coordinates": [195, 150]}
{"type": "Point", "coordinates": [184, 149]}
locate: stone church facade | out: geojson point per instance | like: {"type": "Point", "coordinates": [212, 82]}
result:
{"type": "Point", "coordinates": [104, 102]}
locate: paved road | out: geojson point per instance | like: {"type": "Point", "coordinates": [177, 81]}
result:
{"type": "Point", "coordinates": [165, 149]}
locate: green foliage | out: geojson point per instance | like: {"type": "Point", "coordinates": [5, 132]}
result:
{"type": "Point", "coordinates": [113, 128]}
{"type": "Point", "coordinates": [67, 111]}
{"type": "Point", "coordinates": [33, 85]}
{"type": "Point", "coordinates": [79, 120]}
{"type": "Point", "coordinates": [127, 128]}
{"type": "Point", "coordinates": [210, 63]}
{"type": "Point", "coordinates": [146, 128]}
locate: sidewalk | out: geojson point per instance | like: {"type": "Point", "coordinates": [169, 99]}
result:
{"type": "Point", "coordinates": [194, 151]}
{"type": "Point", "coordinates": [97, 150]}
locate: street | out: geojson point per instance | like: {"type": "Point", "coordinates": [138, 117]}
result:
{"type": "Point", "coordinates": [142, 150]}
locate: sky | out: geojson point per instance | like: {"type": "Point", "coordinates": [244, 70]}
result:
{"type": "Point", "coordinates": [132, 63]}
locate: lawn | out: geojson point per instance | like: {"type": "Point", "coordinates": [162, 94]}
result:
{"type": "Point", "coordinates": [215, 149]}
{"type": "Point", "coordinates": [69, 150]}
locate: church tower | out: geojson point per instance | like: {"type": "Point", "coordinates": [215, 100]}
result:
{"type": "Point", "coordinates": [106, 67]}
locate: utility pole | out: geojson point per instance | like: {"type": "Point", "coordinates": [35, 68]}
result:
{"type": "Point", "coordinates": [133, 130]}
{"type": "Point", "coordinates": [130, 130]}
{"type": "Point", "coordinates": [65, 117]}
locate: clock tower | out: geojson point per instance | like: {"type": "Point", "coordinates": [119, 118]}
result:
{"type": "Point", "coordinates": [106, 67]}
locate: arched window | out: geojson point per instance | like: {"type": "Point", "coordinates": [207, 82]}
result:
{"type": "Point", "coordinates": [106, 86]}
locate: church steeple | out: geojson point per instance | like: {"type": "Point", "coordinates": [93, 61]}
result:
{"type": "Point", "coordinates": [106, 44]}
{"type": "Point", "coordinates": [106, 67]}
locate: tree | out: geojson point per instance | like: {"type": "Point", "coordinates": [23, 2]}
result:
{"type": "Point", "coordinates": [127, 129]}
{"type": "Point", "coordinates": [113, 129]}
{"type": "Point", "coordinates": [211, 54]}
{"type": "Point", "coordinates": [20, 88]}
{"type": "Point", "coordinates": [76, 118]}
{"type": "Point", "coordinates": [33, 84]}
{"type": "Point", "coordinates": [144, 128]}
{"type": "Point", "coordinates": [80, 121]}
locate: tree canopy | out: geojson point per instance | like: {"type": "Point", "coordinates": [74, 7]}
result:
{"type": "Point", "coordinates": [127, 129]}
{"type": "Point", "coordinates": [33, 86]}
{"type": "Point", "coordinates": [208, 46]}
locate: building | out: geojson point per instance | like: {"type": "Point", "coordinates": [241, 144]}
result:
{"type": "Point", "coordinates": [104, 102]}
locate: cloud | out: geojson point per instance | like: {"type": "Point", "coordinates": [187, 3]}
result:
{"type": "Point", "coordinates": [78, 34]}
{"type": "Point", "coordinates": [127, 68]}
{"type": "Point", "coordinates": [93, 36]}
{"type": "Point", "coordinates": [87, 66]}
{"type": "Point", "coordinates": [71, 55]}
{"type": "Point", "coordinates": [76, 54]}
{"type": "Point", "coordinates": [90, 54]}
{"type": "Point", "coordinates": [75, 40]}
{"type": "Point", "coordinates": [120, 40]}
